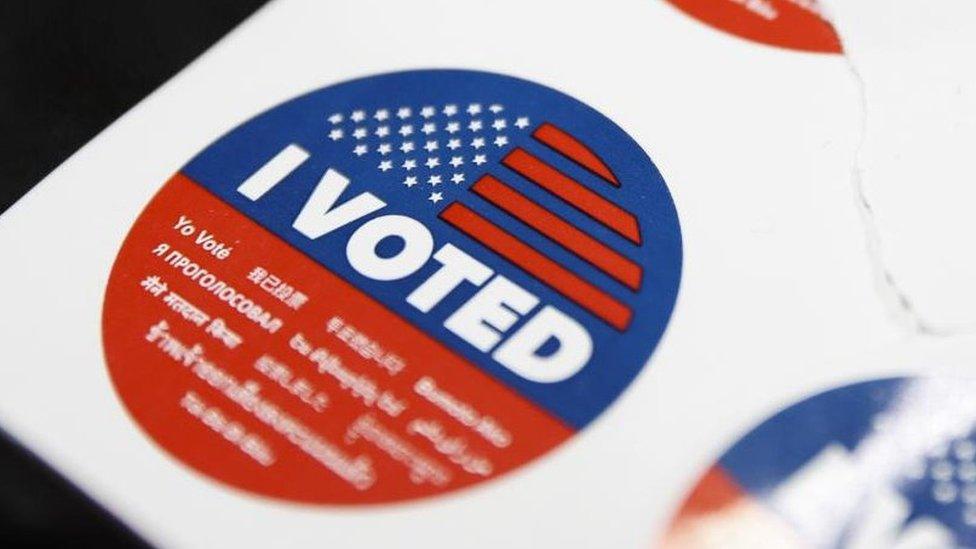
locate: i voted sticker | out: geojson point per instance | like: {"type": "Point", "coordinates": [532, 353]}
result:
{"type": "Point", "coordinates": [888, 463]}
{"type": "Point", "coordinates": [392, 288]}
{"type": "Point", "coordinates": [792, 24]}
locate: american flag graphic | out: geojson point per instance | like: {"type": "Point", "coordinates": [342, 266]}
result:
{"type": "Point", "coordinates": [881, 463]}
{"type": "Point", "coordinates": [944, 481]}
{"type": "Point", "coordinates": [443, 151]}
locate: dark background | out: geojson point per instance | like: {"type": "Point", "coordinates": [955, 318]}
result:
{"type": "Point", "coordinates": [67, 70]}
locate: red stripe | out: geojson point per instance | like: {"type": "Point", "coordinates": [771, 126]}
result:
{"type": "Point", "coordinates": [558, 230]}
{"type": "Point", "coordinates": [575, 194]}
{"type": "Point", "coordinates": [571, 148]}
{"type": "Point", "coordinates": [548, 271]}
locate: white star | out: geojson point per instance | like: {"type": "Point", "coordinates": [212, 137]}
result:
{"type": "Point", "coordinates": [358, 116]}
{"type": "Point", "coordinates": [479, 159]}
{"type": "Point", "coordinates": [405, 130]}
{"type": "Point", "coordinates": [499, 124]}
{"type": "Point", "coordinates": [521, 122]}
{"type": "Point", "coordinates": [403, 112]}
{"type": "Point", "coordinates": [359, 133]}
{"type": "Point", "coordinates": [409, 164]}
{"type": "Point", "coordinates": [456, 161]}
{"type": "Point", "coordinates": [410, 181]}
{"type": "Point", "coordinates": [430, 146]}
{"type": "Point", "coordinates": [478, 142]}
{"type": "Point", "coordinates": [427, 112]}
{"type": "Point", "coordinates": [429, 128]}
{"type": "Point", "coordinates": [336, 118]}
{"type": "Point", "coordinates": [381, 115]}
{"type": "Point", "coordinates": [407, 146]}
{"type": "Point", "coordinates": [474, 108]}
{"type": "Point", "coordinates": [384, 148]}
{"type": "Point", "coordinates": [453, 144]}
{"type": "Point", "coordinates": [360, 150]}
{"type": "Point", "coordinates": [335, 134]}
{"type": "Point", "coordinates": [434, 180]}
{"type": "Point", "coordinates": [475, 125]}
{"type": "Point", "coordinates": [450, 110]}
{"type": "Point", "coordinates": [385, 165]}
{"type": "Point", "coordinates": [435, 197]}
{"type": "Point", "coordinates": [433, 162]}
{"type": "Point", "coordinates": [382, 131]}
{"type": "Point", "coordinates": [496, 108]}
{"type": "Point", "coordinates": [501, 141]}
{"type": "Point", "coordinates": [457, 178]}
{"type": "Point", "coordinates": [453, 127]}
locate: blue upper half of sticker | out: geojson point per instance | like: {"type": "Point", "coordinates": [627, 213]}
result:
{"type": "Point", "coordinates": [901, 450]}
{"type": "Point", "coordinates": [544, 193]}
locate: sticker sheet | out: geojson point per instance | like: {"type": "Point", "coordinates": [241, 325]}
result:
{"type": "Point", "coordinates": [653, 273]}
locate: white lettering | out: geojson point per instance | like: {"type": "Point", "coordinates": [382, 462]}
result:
{"type": "Point", "coordinates": [272, 172]}
{"type": "Point", "coordinates": [457, 267]}
{"type": "Point", "coordinates": [520, 352]}
{"type": "Point", "coordinates": [417, 247]}
{"type": "Point", "coordinates": [490, 312]}
{"type": "Point", "coordinates": [320, 215]}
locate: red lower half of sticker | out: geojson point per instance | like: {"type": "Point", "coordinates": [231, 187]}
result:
{"type": "Point", "coordinates": [793, 24]}
{"type": "Point", "coordinates": [719, 513]}
{"type": "Point", "coordinates": [258, 367]}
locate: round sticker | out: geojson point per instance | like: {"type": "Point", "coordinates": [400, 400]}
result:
{"type": "Point", "coordinates": [794, 24]}
{"type": "Point", "coordinates": [888, 463]}
{"type": "Point", "coordinates": [392, 288]}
